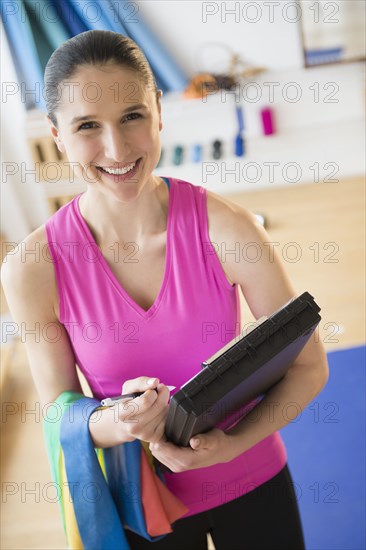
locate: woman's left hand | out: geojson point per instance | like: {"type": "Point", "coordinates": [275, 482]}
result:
{"type": "Point", "coordinates": [205, 450]}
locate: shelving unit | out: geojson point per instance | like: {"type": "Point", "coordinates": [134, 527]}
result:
{"type": "Point", "coordinates": [322, 154]}
{"type": "Point", "coordinates": [51, 166]}
{"type": "Point", "coordinates": [325, 154]}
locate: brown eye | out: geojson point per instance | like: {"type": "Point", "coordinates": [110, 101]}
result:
{"type": "Point", "coordinates": [86, 126]}
{"type": "Point", "coordinates": [132, 116]}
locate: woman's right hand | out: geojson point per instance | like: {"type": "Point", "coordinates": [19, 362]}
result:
{"type": "Point", "coordinates": [140, 418]}
{"type": "Point", "coordinates": [144, 417]}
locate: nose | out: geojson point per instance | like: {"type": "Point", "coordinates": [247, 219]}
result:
{"type": "Point", "coordinates": [116, 146]}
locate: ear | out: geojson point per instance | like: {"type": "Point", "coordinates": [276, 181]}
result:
{"type": "Point", "coordinates": [56, 135]}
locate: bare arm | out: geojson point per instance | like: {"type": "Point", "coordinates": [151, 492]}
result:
{"type": "Point", "coordinates": [30, 288]}
{"type": "Point", "coordinates": [266, 287]}
{"type": "Point", "coordinates": [29, 285]}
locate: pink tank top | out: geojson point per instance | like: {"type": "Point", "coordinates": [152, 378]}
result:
{"type": "Point", "coordinates": [194, 314]}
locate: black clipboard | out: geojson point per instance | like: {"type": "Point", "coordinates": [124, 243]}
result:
{"type": "Point", "coordinates": [236, 378]}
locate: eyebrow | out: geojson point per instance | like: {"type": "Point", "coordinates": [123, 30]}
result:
{"type": "Point", "coordinates": [134, 107]}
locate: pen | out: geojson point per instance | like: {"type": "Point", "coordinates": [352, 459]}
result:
{"type": "Point", "coordinates": [110, 401]}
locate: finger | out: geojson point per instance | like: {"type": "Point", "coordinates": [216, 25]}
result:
{"type": "Point", "coordinates": [200, 441]}
{"type": "Point", "coordinates": [155, 428]}
{"type": "Point", "coordinates": [152, 403]}
{"type": "Point", "coordinates": [147, 414]}
{"type": "Point", "coordinates": [163, 460]}
{"type": "Point", "coordinates": [147, 398]}
{"type": "Point", "coordinates": [163, 394]}
{"type": "Point", "coordinates": [176, 458]}
{"type": "Point", "coordinates": [160, 452]}
{"type": "Point", "coordinates": [140, 384]}
{"type": "Point", "coordinates": [167, 448]}
{"type": "Point", "coordinates": [195, 443]}
{"type": "Point", "coordinates": [148, 425]}
{"type": "Point", "coordinates": [135, 409]}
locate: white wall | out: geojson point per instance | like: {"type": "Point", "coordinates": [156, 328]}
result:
{"type": "Point", "coordinates": [264, 35]}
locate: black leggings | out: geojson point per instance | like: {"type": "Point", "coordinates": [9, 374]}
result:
{"type": "Point", "coordinates": [266, 518]}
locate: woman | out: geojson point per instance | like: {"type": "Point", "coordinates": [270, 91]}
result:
{"type": "Point", "coordinates": [141, 297]}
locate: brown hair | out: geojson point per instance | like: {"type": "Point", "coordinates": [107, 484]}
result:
{"type": "Point", "coordinates": [94, 47]}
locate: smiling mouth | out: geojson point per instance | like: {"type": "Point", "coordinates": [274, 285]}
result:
{"type": "Point", "coordinates": [119, 171]}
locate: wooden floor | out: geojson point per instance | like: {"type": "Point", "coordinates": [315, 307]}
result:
{"type": "Point", "coordinates": [327, 223]}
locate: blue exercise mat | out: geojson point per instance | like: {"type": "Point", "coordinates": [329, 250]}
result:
{"type": "Point", "coordinates": [326, 456]}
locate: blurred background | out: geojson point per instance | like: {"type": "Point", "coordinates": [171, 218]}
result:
{"type": "Point", "coordinates": [264, 102]}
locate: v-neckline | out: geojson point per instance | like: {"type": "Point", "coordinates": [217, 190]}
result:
{"type": "Point", "coordinates": [112, 277]}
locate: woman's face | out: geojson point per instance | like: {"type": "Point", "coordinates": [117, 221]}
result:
{"type": "Point", "coordinates": [109, 120]}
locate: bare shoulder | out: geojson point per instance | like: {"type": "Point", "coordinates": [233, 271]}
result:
{"type": "Point", "coordinates": [28, 271]}
{"type": "Point", "coordinates": [29, 258]}
{"type": "Point", "coordinates": [228, 220]}
{"type": "Point", "coordinates": [231, 226]}
{"type": "Point", "coordinates": [247, 256]}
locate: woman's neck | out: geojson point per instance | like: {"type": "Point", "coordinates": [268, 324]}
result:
{"type": "Point", "coordinates": [137, 220]}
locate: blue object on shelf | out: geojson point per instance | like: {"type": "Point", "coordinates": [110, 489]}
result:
{"type": "Point", "coordinates": [197, 153]}
{"type": "Point", "coordinates": [178, 155]}
{"type": "Point", "coordinates": [326, 55]}
{"type": "Point", "coordinates": [239, 146]}
{"type": "Point", "coordinates": [239, 140]}
{"type": "Point", "coordinates": [240, 117]}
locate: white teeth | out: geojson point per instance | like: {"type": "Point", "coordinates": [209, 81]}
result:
{"type": "Point", "coordinates": [120, 171]}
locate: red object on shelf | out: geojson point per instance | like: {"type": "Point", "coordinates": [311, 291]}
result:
{"type": "Point", "coordinates": [268, 121]}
